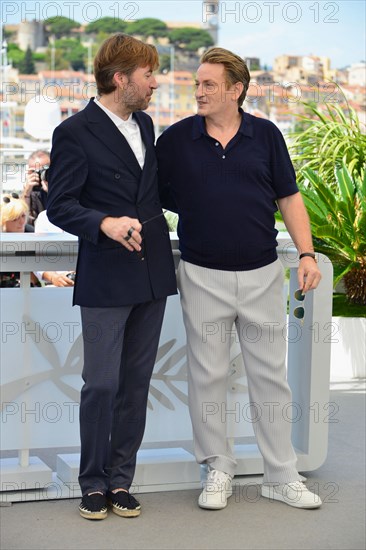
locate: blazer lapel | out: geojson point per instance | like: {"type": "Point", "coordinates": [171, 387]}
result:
{"type": "Point", "coordinates": [107, 132]}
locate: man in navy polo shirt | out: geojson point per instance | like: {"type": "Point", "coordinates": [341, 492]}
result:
{"type": "Point", "coordinates": [225, 173]}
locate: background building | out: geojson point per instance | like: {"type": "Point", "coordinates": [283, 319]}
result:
{"type": "Point", "coordinates": [31, 34]}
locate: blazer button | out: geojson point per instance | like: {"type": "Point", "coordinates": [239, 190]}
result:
{"type": "Point", "coordinates": [117, 176]}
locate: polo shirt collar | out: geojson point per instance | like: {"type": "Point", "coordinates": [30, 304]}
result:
{"type": "Point", "coordinates": [245, 128]}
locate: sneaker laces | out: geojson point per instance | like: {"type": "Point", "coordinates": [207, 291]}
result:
{"type": "Point", "coordinates": [297, 486]}
{"type": "Point", "coordinates": [216, 476]}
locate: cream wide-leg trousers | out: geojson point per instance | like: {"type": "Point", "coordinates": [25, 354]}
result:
{"type": "Point", "coordinates": [212, 301]}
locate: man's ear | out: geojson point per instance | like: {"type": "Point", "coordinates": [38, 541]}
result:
{"type": "Point", "coordinates": [238, 89]}
{"type": "Point", "coordinates": [120, 80]}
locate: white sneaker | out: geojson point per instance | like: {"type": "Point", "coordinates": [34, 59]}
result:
{"type": "Point", "coordinates": [217, 489]}
{"type": "Point", "coordinates": [294, 494]}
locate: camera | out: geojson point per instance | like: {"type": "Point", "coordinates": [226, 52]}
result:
{"type": "Point", "coordinates": [42, 175]}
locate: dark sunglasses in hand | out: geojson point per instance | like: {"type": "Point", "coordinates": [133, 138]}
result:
{"type": "Point", "coordinates": [140, 253]}
{"type": "Point", "coordinates": [299, 311]}
{"type": "Point", "coordinates": [153, 218]}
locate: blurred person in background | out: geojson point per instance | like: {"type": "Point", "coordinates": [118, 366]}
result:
{"type": "Point", "coordinates": [36, 186]}
{"type": "Point", "coordinates": [14, 219]}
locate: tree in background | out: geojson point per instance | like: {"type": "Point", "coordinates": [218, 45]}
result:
{"type": "Point", "coordinates": [57, 62]}
{"type": "Point", "coordinates": [72, 51]}
{"type": "Point", "coordinates": [164, 65]}
{"type": "Point", "coordinates": [26, 65]}
{"type": "Point", "coordinates": [60, 26]}
{"type": "Point", "coordinates": [148, 26]}
{"type": "Point", "coordinates": [106, 25]}
{"type": "Point", "coordinates": [77, 57]}
{"type": "Point", "coordinates": [15, 54]}
{"type": "Point", "coordinates": [190, 39]}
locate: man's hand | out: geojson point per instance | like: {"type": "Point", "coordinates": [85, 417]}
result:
{"type": "Point", "coordinates": [58, 278]}
{"type": "Point", "coordinates": [308, 274]}
{"type": "Point", "coordinates": [124, 230]}
{"type": "Point", "coordinates": [31, 181]}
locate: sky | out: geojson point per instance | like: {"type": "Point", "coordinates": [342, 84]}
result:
{"type": "Point", "coordinates": [264, 29]}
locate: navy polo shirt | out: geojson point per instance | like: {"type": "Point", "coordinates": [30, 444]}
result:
{"type": "Point", "coordinates": [225, 198]}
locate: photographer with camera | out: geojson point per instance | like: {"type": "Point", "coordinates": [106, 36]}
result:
{"type": "Point", "coordinates": [36, 185]}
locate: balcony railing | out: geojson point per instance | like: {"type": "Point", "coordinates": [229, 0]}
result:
{"type": "Point", "coordinates": [41, 362]}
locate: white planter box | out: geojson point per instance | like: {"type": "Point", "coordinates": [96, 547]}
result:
{"type": "Point", "coordinates": [348, 347]}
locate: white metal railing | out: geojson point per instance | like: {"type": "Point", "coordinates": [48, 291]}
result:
{"type": "Point", "coordinates": [41, 361]}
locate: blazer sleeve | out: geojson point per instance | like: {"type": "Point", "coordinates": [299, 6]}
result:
{"type": "Point", "coordinates": [68, 175]}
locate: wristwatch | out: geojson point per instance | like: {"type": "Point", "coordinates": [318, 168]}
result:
{"type": "Point", "coordinates": [308, 254]}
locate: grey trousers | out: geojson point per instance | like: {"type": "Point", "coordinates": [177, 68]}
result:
{"type": "Point", "coordinates": [212, 302]}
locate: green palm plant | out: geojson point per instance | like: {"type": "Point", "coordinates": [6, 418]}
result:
{"type": "Point", "coordinates": [327, 139]}
{"type": "Point", "coordinates": [338, 223]}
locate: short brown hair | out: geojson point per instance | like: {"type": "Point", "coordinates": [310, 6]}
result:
{"type": "Point", "coordinates": [121, 53]}
{"type": "Point", "coordinates": [236, 69]}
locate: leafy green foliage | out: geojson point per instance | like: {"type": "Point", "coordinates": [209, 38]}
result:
{"type": "Point", "coordinates": [15, 54]}
{"type": "Point", "coordinates": [60, 26]}
{"type": "Point", "coordinates": [190, 38]}
{"type": "Point", "coordinates": [329, 152]}
{"type": "Point", "coordinates": [338, 218]}
{"type": "Point", "coordinates": [7, 33]}
{"type": "Point", "coordinates": [343, 308]}
{"type": "Point", "coordinates": [106, 25]}
{"type": "Point", "coordinates": [38, 56]}
{"type": "Point", "coordinates": [77, 57]}
{"type": "Point", "coordinates": [326, 140]}
{"type": "Point", "coordinates": [57, 62]}
{"type": "Point", "coordinates": [148, 26]}
{"type": "Point", "coordinates": [171, 219]}
{"type": "Point", "coordinates": [164, 63]}
{"type": "Point", "coordinates": [26, 65]}
{"type": "Point", "coordinates": [69, 52]}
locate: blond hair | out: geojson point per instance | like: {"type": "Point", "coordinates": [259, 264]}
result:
{"type": "Point", "coordinates": [121, 53]}
{"type": "Point", "coordinates": [235, 68]}
{"type": "Point", "coordinates": [11, 208]}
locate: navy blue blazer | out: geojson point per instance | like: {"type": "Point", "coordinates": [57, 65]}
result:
{"type": "Point", "coordinates": [93, 174]}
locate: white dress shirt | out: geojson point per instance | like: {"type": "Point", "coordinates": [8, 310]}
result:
{"type": "Point", "coordinates": [43, 225]}
{"type": "Point", "coordinates": [130, 130]}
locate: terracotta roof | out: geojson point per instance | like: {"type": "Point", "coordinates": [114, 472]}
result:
{"type": "Point", "coordinates": [61, 74]}
{"type": "Point", "coordinates": [28, 77]}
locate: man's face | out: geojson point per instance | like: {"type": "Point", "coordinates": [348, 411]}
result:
{"type": "Point", "coordinates": [212, 94]}
{"type": "Point", "coordinates": [138, 89]}
{"type": "Point", "coordinates": [38, 163]}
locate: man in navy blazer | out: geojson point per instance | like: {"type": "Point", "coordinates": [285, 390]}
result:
{"type": "Point", "coordinates": [103, 188]}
